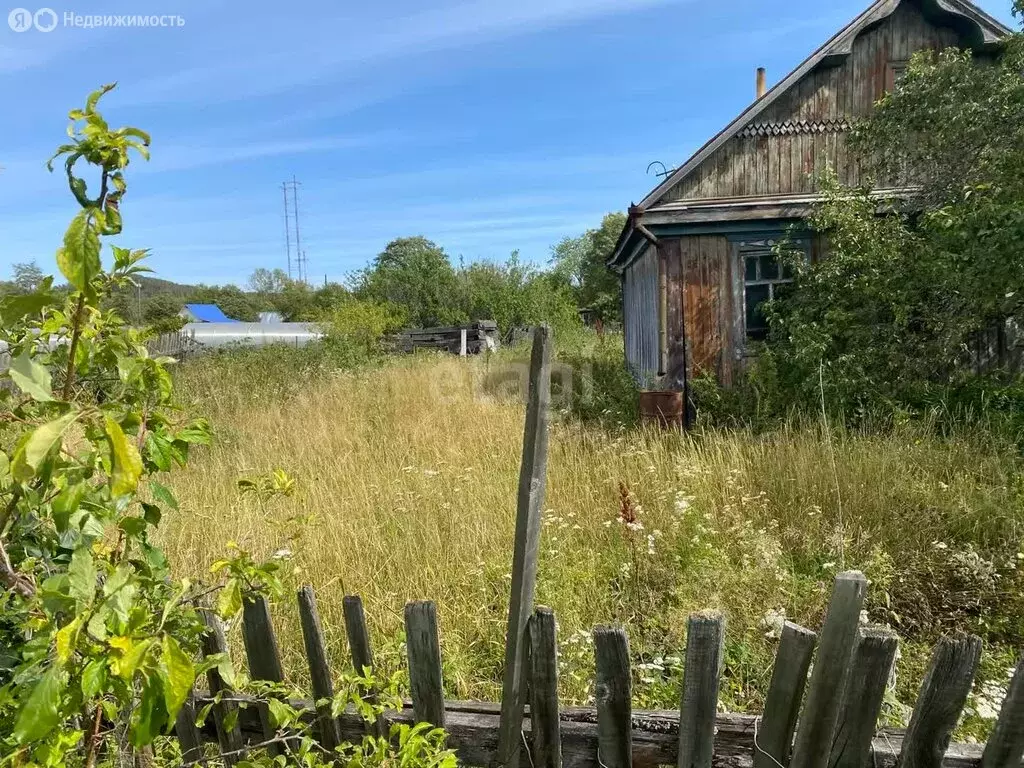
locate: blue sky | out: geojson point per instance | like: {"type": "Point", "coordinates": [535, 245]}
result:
{"type": "Point", "coordinates": [485, 125]}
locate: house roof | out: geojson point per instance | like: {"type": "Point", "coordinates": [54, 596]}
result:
{"type": "Point", "coordinates": [208, 313]}
{"type": "Point", "coordinates": [977, 28]}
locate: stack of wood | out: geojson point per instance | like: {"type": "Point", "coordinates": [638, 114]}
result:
{"type": "Point", "coordinates": [481, 335]}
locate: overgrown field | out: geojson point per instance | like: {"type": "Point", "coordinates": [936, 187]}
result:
{"type": "Point", "coordinates": [405, 488]}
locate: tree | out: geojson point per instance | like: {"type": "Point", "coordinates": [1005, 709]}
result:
{"type": "Point", "coordinates": [265, 280]}
{"type": "Point", "coordinates": [27, 276]}
{"type": "Point", "coordinates": [887, 317]}
{"type": "Point", "coordinates": [582, 261]}
{"type": "Point", "coordinates": [415, 274]}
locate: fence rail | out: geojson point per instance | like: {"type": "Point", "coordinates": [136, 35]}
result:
{"type": "Point", "coordinates": [837, 727]}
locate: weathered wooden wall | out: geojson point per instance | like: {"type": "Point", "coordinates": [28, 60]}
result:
{"type": "Point", "coordinates": [781, 152]}
{"type": "Point", "coordinates": [640, 303]}
{"type": "Point", "coordinates": [700, 305]}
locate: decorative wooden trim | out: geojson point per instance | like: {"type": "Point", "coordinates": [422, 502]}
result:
{"type": "Point", "coordinates": [793, 128]}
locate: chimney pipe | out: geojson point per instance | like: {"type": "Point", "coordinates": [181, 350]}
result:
{"type": "Point", "coordinates": [762, 86]}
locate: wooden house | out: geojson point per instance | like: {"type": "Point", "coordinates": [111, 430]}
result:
{"type": "Point", "coordinates": [695, 257]}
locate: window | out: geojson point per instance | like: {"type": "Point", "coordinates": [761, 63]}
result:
{"type": "Point", "coordinates": [763, 276]}
{"type": "Point", "coordinates": [894, 72]}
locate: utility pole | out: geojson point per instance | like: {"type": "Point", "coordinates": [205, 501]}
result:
{"type": "Point", "coordinates": [287, 234]}
{"type": "Point", "coordinates": [298, 239]}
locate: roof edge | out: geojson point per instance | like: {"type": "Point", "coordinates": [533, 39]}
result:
{"type": "Point", "coordinates": [835, 50]}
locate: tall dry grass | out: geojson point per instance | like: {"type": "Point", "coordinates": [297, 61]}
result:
{"type": "Point", "coordinates": [409, 472]}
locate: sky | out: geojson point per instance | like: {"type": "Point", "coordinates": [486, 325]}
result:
{"type": "Point", "coordinates": [488, 126]}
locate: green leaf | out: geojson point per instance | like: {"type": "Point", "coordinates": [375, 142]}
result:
{"type": "Point", "coordinates": [79, 258]}
{"type": "Point", "coordinates": [31, 378]}
{"type": "Point", "coordinates": [19, 306]}
{"type": "Point", "coordinates": [95, 96]}
{"type": "Point", "coordinates": [66, 502]}
{"type": "Point", "coordinates": [280, 713]}
{"type": "Point", "coordinates": [127, 464]}
{"type": "Point", "coordinates": [163, 493]}
{"type": "Point", "coordinates": [40, 714]}
{"type": "Point", "coordinates": [33, 451]}
{"type": "Point", "coordinates": [66, 639]}
{"type": "Point", "coordinates": [94, 678]}
{"type": "Point", "coordinates": [229, 602]}
{"type": "Point", "coordinates": [179, 675]}
{"type": "Point", "coordinates": [82, 577]}
{"type": "Point", "coordinates": [134, 654]}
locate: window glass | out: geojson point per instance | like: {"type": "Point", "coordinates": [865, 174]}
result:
{"type": "Point", "coordinates": [757, 295]}
{"type": "Point", "coordinates": [751, 275]}
{"type": "Point", "coordinates": [769, 267]}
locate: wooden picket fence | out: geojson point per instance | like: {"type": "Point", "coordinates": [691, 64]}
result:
{"type": "Point", "coordinates": [835, 728]}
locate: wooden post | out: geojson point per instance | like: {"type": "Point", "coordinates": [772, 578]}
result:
{"type": "Point", "coordinates": [785, 692]}
{"type": "Point", "coordinates": [263, 655]}
{"type": "Point", "coordinates": [532, 479]}
{"type": "Point", "coordinates": [319, 669]}
{"type": "Point", "coordinates": [838, 636]}
{"type": "Point", "coordinates": [189, 738]}
{"type": "Point", "coordinates": [1005, 747]}
{"type": "Point", "coordinates": [462, 343]}
{"type": "Point", "coordinates": [614, 698]}
{"type": "Point", "coordinates": [214, 644]}
{"type": "Point", "coordinates": [424, 651]}
{"type": "Point", "coordinates": [862, 698]}
{"type": "Point", "coordinates": [360, 648]}
{"type": "Point", "coordinates": [545, 726]}
{"type": "Point", "coordinates": [942, 698]}
{"type": "Point", "coordinates": [358, 634]}
{"type": "Point", "coordinates": [705, 637]}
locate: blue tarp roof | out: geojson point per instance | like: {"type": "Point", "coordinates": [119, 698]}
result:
{"type": "Point", "coordinates": [208, 313]}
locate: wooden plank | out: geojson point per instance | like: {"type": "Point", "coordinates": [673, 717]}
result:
{"type": "Point", "coordinates": [838, 636]}
{"type": "Point", "coordinates": [358, 634]}
{"type": "Point", "coordinates": [545, 726]}
{"type": "Point", "coordinates": [942, 698]}
{"type": "Point", "coordinates": [229, 736]}
{"type": "Point", "coordinates": [530, 501]}
{"type": "Point", "coordinates": [705, 638]}
{"type": "Point", "coordinates": [613, 695]}
{"type": "Point", "coordinates": [785, 692]}
{"type": "Point", "coordinates": [319, 669]}
{"type": "Point", "coordinates": [263, 655]}
{"type": "Point", "coordinates": [1005, 748]}
{"type": "Point", "coordinates": [360, 647]}
{"type": "Point", "coordinates": [872, 662]}
{"type": "Point", "coordinates": [424, 651]}
{"type": "Point", "coordinates": [472, 732]}
{"type": "Point", "coordinates": [189, 737]}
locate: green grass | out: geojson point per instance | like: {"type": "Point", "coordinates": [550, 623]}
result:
{"type": "Point", "coordinates": [408, 472]}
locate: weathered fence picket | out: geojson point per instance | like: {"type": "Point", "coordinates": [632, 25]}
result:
{"type": "Point", "coordinates": [942, 698]}
{"type": "Point", "coordinates": [225, 712]}
{"type": "Point", "coordinates": [319, 670]}
{"type": "Point", "coordinates": [704, 644]}
{"type": "Point", "coordinates": [264, 657]}
{"type": "Point", "coordinates": [613, 693]}
{"type": "Point", "coordinates": [1005, 748]}
{"type": "Point", "coordinates": [785, 692]}
{"type": "Point", "coordinates": [838, 636]}
{"type": "Point", "coordinates": [873, 657]}
{"type": "Point", "coordinates": [545, 727]}
{"type": "Point", "coordinates": [615, 736]}
{"type": "Point", "coordinates": [424, 651]}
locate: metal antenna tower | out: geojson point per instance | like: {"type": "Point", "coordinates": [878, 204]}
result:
{"type": "Point", "coordinates": [287, 233]}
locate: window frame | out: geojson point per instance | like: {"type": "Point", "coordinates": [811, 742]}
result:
{"type": "Point", "coordinates": [742, 250]}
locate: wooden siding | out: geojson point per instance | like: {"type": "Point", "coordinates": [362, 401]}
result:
{"type": "Point", "coordinates": [700, 274]}
{"type": "Point", "coordinates": [789, 144]}
{"type": "Point", "coordinates": [640, 316]}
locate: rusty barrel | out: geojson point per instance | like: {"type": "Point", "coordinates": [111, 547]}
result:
{"type": "Point", "coordinates": [664, 408]}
